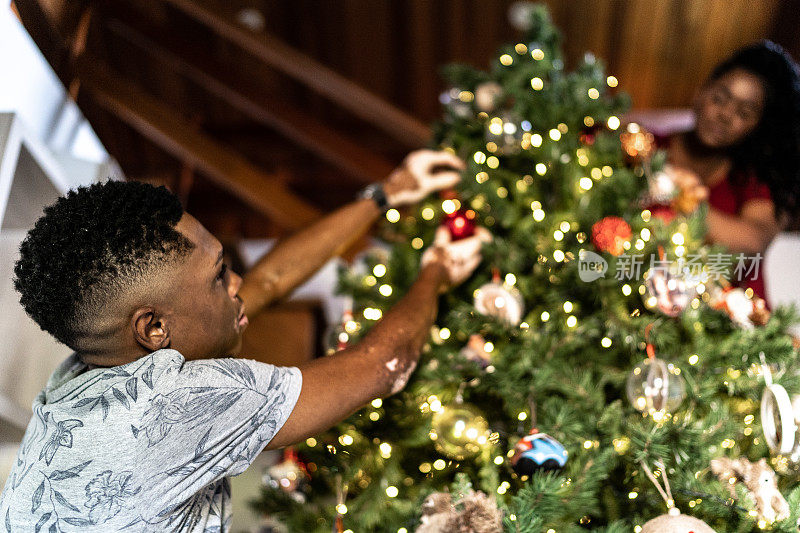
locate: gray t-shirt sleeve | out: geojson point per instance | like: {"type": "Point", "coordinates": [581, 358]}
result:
{"type": "Point", "coordinates": [208, 419]}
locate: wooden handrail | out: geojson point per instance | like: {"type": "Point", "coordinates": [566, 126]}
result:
{"type": "Point", "coordinates": [300, 127]}
{"type": "Point", "coordinates": [316, 76]}
{"type": "Point", "coordinates": [168, 129]}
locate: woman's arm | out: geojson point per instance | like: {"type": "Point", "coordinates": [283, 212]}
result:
{"type": "Point", "coordinates": [750, 232]}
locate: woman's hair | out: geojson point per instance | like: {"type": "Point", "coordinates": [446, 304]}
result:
{"type": "Point", "coordinates": [772, 149]}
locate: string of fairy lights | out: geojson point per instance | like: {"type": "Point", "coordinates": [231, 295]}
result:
{"type": "Point", "coordinates": [468, 427]}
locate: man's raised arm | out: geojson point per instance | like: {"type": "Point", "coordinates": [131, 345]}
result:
{"type": "Point", "coordinates": [380, 365]}
{"type": "Point", "coordinates": [298, 257]}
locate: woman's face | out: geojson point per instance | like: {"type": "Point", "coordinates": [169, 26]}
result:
{"type": "Point", "coordinates": [729, 108]}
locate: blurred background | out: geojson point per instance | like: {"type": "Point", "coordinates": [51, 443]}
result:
{"type": "Point", "coordinates": [322, 97]}
{"type": "Point", "coordinates": [264, 115]}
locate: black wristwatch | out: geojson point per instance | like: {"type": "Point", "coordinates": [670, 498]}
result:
{"type": "Point", "coordinates": [376, 193]}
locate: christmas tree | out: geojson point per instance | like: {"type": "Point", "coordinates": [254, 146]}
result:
{"type": "Point", "coordinates": [596, 371]}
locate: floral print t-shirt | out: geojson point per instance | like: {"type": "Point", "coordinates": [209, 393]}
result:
{"type": "Point", "coordinates": [145, 446]}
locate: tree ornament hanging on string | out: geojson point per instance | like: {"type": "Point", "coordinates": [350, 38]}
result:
{"type": "Point", "coordinates": [780, 419]}
{"type": "Point", "coordinates": [744, 311]}
{"type": "Point", "coordinates": [487, 96]}
{"type": "Point", "coordinates": [669, 191]}
{"type": "Point", "coordinates": [289, 475]}
{"type": "Point", "coordinates": [673, 521]}
{"type": "Point", "coordinates": [458, 102]}
{"type": "Point", "coordinates": [760, 481]}
{"type": "Point", "coordinates": [662, 212]}
{"type": "Point", "coordinates": [691, 191]}
{"type": "Point", "coordinates": [506, 133]}
{"type": "Point", "coordinates": [610, 234]}
{"type": "Point", "coordinates": [458, 430]}
{"type": "Point", "coordinates": [461, 223]}
{"type": "Point", "coordinates": [662, 188]}
{"type": "Point", "coordinates": [475, 351]}
{"type": "Point", "coordinates": [673, 189]}
{"type": "Point", "coordinates": [520, 14]}
{"type": "Point", "coordinates": [500, 300]}
{"type": "Point", "coordinates": [638, 144]}
{"type": "Point", "coordinates": [538, 452]}
{"type": "Point", "coordinates": [788, 464]}
{"type": "Point", "coordinates": [669, 287]}
{"type": "Point", "coordinates": [654, 386]}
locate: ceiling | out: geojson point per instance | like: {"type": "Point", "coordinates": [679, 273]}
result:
{"type": "Point", "coordinates": [262, 114]}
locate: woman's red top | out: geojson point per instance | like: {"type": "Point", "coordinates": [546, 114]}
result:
{"type": "Point", "coordinates": [729, 198]}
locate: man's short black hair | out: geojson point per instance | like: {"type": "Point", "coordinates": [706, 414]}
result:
{"type": "Point", "coordinates": [91, 244]}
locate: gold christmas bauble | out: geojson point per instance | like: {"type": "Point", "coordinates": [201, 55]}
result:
{"type": "Point", "coordinates": [459, 431]}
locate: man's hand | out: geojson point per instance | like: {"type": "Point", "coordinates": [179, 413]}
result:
{"type": "Point", "coordinates": [459, 258]}
{"type": "Point", "coordinates": [381, 364]}
{"type": "Point", "coordinates": [416, 177]}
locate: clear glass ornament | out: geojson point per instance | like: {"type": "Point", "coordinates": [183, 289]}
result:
{"type": "Point", "coordinates": [655, 387]}
{"type": "Point", "coordinates": [669, 290]}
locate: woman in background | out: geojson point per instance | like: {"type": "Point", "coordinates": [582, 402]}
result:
{"type": "Point", "coordinates": [745, 148]}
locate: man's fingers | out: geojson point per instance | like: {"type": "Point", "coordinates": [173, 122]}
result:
{"type": "Point", "coordinates": [483, 234]}
{"type": "Point", "coordinates": [442, 236]}
{"type": "Point", "coordinates": [465, 270]}
{"type": "Point", "coordinates": [442, 158]}
{"type": "Point", "coordinates": [423, 162]}
{"type": "Point", "coordinates": [465, 247]}
{"type": "Point", "coordinates": [444, 180]}
{"type": "Point", "coordinates": [471, 264]}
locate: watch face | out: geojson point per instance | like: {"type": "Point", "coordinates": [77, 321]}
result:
{"type": "Point", "coordinates": [375, 192]}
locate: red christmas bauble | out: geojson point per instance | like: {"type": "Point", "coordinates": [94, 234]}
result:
{"type": "Point", "coordinates": [610, 234]}
{"type": "Point", "coordinates": [663, 212]}
{"type": "Point", "coordinates": [461, 224]}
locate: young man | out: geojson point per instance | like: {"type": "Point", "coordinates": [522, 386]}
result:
{"type": "Point", "coordinates": [140, 428]}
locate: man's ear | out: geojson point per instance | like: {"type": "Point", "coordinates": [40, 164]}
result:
{"type": "Point", "coordinates": [150, 329]}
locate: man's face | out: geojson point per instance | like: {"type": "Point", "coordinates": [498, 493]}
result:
{"type": "Point", "coordinates": [729, 108]}
{"type": "Point", "coordinates": [203, 311]}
